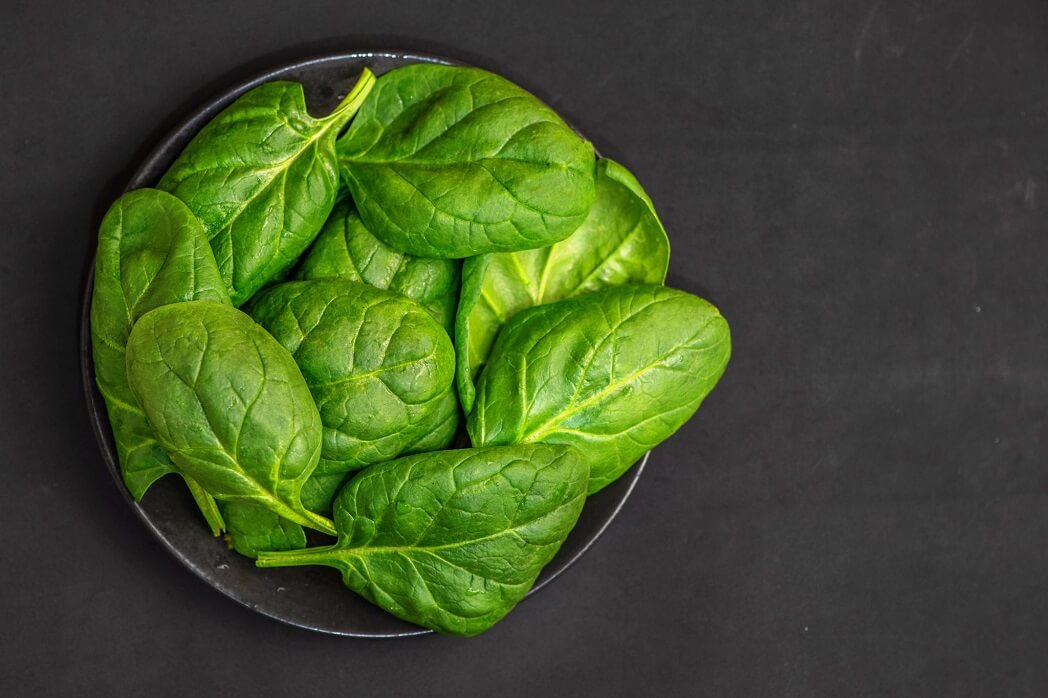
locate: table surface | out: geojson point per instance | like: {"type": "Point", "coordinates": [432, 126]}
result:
{"type": "Point", "coordinates": [860, 508]}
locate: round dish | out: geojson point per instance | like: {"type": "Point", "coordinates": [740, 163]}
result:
{"type": "Point", "coordinates": [307, 597]}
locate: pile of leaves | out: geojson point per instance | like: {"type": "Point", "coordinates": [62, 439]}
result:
{"type": "Point", "coordinates": [304, 313]}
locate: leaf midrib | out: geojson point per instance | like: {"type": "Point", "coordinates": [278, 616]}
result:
{"type": "Point", "coordinates": [372, 374]}
{"type": "Point", "coordinates": [364, 550]}
{"type": "Point", "coordinates": [536, 434]}
{"type": "Point", "coordinates": [267, 178]}
{"type": "Point", "coordinates": [442, 164]}
{"type": "Point", "coordinates": [234, 465]}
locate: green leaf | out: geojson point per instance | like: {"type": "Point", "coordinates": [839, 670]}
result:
{"type": "Point", "coordinates": [452, 162]}
{"type": "Point", "coordinates": [228, 404]}
{"type": "Point", "coordinates": [447, 424]}
{"type": "Point", "coordinates": [452, 540]}
{"type": "Point", "coordinates": [151, 251]}
{"type": "Point", "coordinates": [377, 364]}
{"type": "Point", "coordinates": [614, 373]}
{"type": "Point", "coordinates": [254, 528]}
{"type": "Point", "coordinates": [320, 489]}
{"type": "Point", "coordinates": [318, 492]}
{"type": "Point", "coordinates": [620, 242]}
{"type": "Point", "coordinates": [346, 249]}
{"type": "Point", "coordinates": [262, 177]}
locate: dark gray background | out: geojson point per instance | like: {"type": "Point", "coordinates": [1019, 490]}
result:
{"type": "Point", "coordinates": [860, 508]}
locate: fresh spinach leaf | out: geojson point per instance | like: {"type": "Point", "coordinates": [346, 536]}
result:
{"type": "Point", "coordinates": [452, 540]}
{"type": "Point", "coordinates": [620, 242]}
{"type": "Point", "coordinates": [262, 177]}
{"type": "Point", "coordinates": [346, 249]}
{"type": "Point", "coordinates": [318, 492]}
{"type": "Point", "coordinates": [452, 162]}
{"type": "Point", "coordinates": [614, 372]}
{"type": "Point", "coordinates": [254, 528]}
{"type": "Point", "coordinates": [446, 427]}
{"type": "Point", "coordinates": [377, 364]}
{"type": "Point", "coordinates": [228, 404]}
{"type": "Point", "coordinates": [151, 251]}
{"type": "Point", "coordinates": [320, 489]}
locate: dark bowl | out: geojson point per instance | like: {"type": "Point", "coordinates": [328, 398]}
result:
{"type": "Point", "coordinates": [309, 597]}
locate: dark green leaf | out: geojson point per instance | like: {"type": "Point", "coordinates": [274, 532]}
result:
{"type": "Point", "coordinates": [318, 492]}
{"type": "Point", "coordinates": [228, 404]}
{"type": "Point", "coordinates": [254, 529]}
{"type": "Point", "coordinates": [378, 365]}
{"type": "Point", "coordinates": [262, 177]}
{"type": "Point", "coordinates": [620, 242]}
{"type": "Point", "coordinates": [320, 489]}
{"type": "Point", "coordinates": [451, 162]}
{"type": "Point", "coordinates": [151, 251]}
{"type": "Point", "coordinates": [614, 373]}
{"type": "Point", "coordinates": [452, 540]}
{"type": "Point", "coordinates": [345, 249]}
{"type": "Point", "coordinates": [447, 424]}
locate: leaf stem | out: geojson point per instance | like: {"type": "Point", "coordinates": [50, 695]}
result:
{"type": "Point", "coordinates": [208, 506]}
{"type": "Point", "coordinates": [352, 101]}
{"type": "Point", "coordinates": [298, 514]}
{"type": "Point", "coordinates": [295, 558]}
{"type": "Point", "coordinates": [319, 523]}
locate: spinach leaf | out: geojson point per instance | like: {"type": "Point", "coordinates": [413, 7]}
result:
{"type": "Point", "coordinates": [346, 249]}
{"type": "Point", "coordinates": [614, 372]}
{"type": "Point", "coordinates": [446, 427]}
{"type": "Point", "coordinates": [318, 492]}
{"type": "Point", "coordinates": [254, 528]}
{"type": "Point", "coordinates": [262, 177]}
{"type": "Point", "coordinates": [151, 251]}
{"type": "Point", "coordinates": [228, 404]}
{"type": "Point", "coordinates": [377, 364]}
{"type": "Point", "coordinates": [320, 489]}
{"type": "Point", "coordinates": [452, 540]}
{"type": "Point", "coordinates": [620, 242]}
{"type": "Point", "coordinates": [452, 162]}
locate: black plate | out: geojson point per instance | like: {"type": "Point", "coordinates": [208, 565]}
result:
{"type": "Point", "coordinates": [309, 597]}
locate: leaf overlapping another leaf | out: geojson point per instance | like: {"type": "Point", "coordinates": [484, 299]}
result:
{"type": "Point", "coordinates": [621, 241]}
{"type": "Point", "coordinates": [377, 364]}
{"type": "Point", "coordinates": [151, 251]}
{"type": "Point", "coordinates": [452, 162]}
{"type": "Point", "coordinates": [614, 373]}
{"type": "Point", "coordinates": [228, 404]}
{"type": "Point", "coordinates": [452, 540]}
{"type": "Point", "coordinates": [262, 177]}
{"type": "Point", "coordinates": [346, 249]}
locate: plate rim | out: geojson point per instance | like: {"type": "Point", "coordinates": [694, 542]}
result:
{"type": "Point", "coordinates": [96, 408]}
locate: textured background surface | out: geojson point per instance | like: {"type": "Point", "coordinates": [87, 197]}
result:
{"type": "Point", "coordinates": [860, 509]}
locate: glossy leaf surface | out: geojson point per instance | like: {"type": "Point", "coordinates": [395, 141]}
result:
{"type": "Point", "coordinates": [452, 162]}
{"type": "Point", "coordinates": [262, 177]}
{"type": "Point", "coordinates": [452, 540]}
{"type": "Point", "coordinates": [446, 427]}
{"type": "Point", "coordinates": [614, 373]}
{"type": "Point", "coordinates": [621, 241]}
{"type": "Point", "coordinates": [151, 251]}
{"type": "Point", "coordinates": [228, 404]}
{"type": "Point", "coordinates": [377, 365]}
{"type": "Point", "coordinates": [346, 249]}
